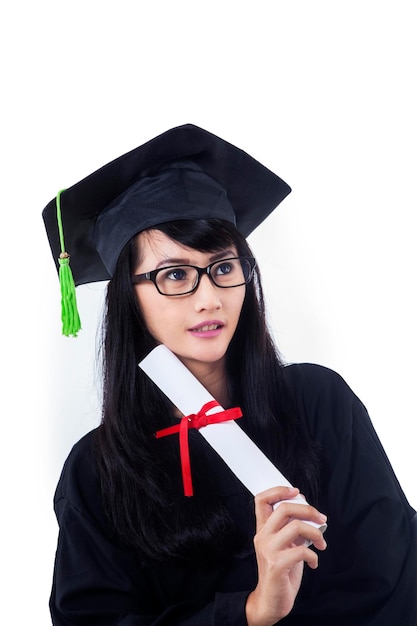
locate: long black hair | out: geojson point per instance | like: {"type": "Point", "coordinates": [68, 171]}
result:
{"type": "Point", "coordinates": [140, 475]}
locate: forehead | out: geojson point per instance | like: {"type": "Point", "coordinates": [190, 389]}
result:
{"type": "Point", "coordinates": [155, 247]}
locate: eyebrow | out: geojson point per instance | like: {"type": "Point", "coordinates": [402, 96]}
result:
{"type": "Point", "coordinates": [223, 254]}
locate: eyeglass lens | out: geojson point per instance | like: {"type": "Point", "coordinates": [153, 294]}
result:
{"type": "Point", "coordinates": [183, 278]}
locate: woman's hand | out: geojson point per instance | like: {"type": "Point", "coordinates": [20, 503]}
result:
{"type": "Point", "coordinates": [281, 552]}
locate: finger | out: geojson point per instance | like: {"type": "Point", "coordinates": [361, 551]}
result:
{"type": "Point", "coordinates": [285, 511]}
{"type": "Point", "coordinates": [297, 533]}
{"type": "Point", "coordinates": [264, 502]}
{"type": "Point", "coordinates": [288, 559]}
{"type": "Point", "coordinates": [295, 555]}
{"type": "Point", "coordinates": [309, 557]}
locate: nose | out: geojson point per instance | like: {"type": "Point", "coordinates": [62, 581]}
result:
{"type": "Point", "coordinates": [207, 296]}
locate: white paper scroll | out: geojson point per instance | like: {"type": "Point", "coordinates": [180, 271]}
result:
{"type": "Point", "coordinates": [243, 457]}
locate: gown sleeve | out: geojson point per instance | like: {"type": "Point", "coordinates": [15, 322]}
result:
{"type": "Point", "coordinates": [97, 582]}
{"type": "Point", "coordinates": [368, 574]}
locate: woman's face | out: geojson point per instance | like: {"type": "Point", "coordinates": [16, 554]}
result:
{"type": "Point", "coordinates": [197, 327]}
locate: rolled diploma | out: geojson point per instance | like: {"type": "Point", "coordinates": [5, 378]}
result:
{"type": "Point", "coordinates": [238, 451]}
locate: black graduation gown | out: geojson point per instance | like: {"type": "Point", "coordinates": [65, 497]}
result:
{"type": "Point", "coordinates": [367, 575]}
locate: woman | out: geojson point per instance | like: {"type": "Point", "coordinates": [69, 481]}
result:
{"type": "Point", "coordinates": [166, 224]}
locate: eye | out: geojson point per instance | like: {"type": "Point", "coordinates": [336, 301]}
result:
{"type": "Point", "coordinates": [175, 274]}
{"type": "Point", "coordinates": [224, 267]}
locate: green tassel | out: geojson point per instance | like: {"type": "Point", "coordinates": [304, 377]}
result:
{"type": "Point", "coordinates": [71, 323]}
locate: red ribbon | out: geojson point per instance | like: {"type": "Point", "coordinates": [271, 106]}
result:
{"type": "Point", "coordinates": [196, 421]}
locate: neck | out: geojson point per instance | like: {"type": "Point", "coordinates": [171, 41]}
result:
{"type": "Point", "coordinates": [214, 378]}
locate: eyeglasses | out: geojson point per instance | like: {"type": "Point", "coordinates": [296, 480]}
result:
{"type": "Point", "coordinates": [178, 280]}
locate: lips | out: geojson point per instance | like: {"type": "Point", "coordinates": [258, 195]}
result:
{"type": "Point", "coordinates": [203, 329]}
{"type": "Point", "coordinates": [207, 327]}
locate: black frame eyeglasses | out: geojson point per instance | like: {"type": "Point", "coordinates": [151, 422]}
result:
{"type": "Point", "coordinates": [179, 280]}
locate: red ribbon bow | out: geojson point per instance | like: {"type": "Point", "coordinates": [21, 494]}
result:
{"type": "Point", "coordinates": [197, 421]}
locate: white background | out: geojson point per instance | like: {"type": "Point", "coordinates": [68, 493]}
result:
{"type": "Point", "coordinates": [322, 92]}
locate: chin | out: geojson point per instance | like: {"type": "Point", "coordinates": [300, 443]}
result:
{"type": "Point", "coordinates": [205, 358]}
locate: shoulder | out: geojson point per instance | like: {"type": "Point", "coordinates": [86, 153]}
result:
{"type": "Point", "coordinates": [314, 381]}
{"type": "Point", "coordinates": [326, 401]}
{"type": "Point", "coordinates": [313, 378]}
{"type": "Point", "coordinates": [79, 485]}
{"type": "Point", "coordinates": [80, 460]}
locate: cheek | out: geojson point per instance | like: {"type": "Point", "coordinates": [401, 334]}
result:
{"type": "Point", "coordinates": [239, 303]}
{"type": "Point", "coordinates": [154, 320]}
{"type": "Point", "coordinates": [162, 320]}
{"type": "Point", "coordinates": [150, 307]}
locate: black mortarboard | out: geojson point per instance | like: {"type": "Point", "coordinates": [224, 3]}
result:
{"type": "Point", "coordinates": [184, 173]}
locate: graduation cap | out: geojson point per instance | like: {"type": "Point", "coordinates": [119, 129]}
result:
{"type": "Point", "coordinates": [184, 173]}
